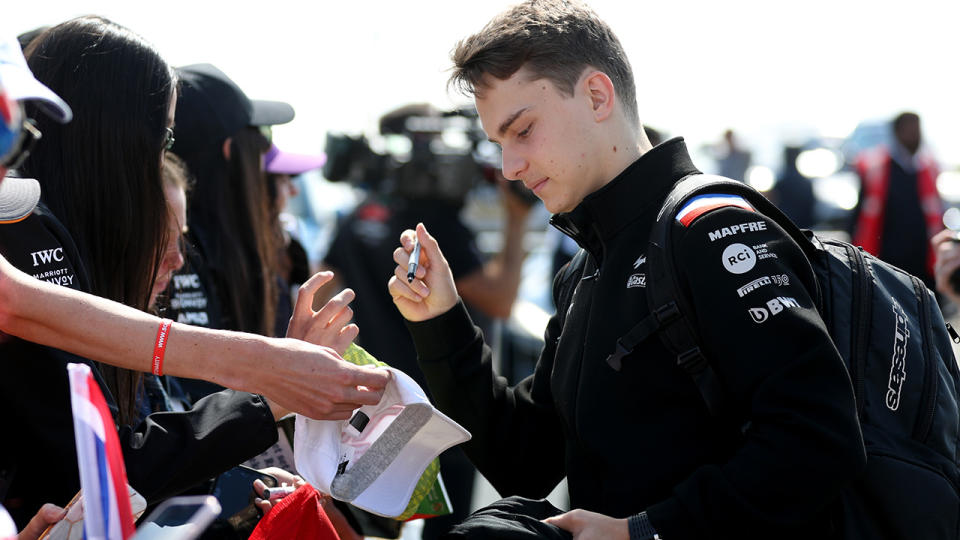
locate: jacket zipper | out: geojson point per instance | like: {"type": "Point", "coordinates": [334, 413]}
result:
{"type": "Point", "coordinates": [930, 382]}
{"type": "Point", "coordinates": [861, 323]}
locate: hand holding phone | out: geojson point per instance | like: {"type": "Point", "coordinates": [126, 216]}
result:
{"type": "Point", "coordinates": [179, 518]}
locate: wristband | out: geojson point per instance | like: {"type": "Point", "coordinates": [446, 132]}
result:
{"type": "Point", "coordinates": [160, 347]}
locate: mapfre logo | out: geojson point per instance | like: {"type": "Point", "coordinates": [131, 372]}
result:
{"type": "Point", "coordinates": [773, 308]}
{"type": "Point", "coordinates": [739, 258]}
{"type": "Point", "coordinates": [898, 365]}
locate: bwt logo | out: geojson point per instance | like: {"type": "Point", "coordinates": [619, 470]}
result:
{"type": "Point", "coordinates": [46, 256]}
{"type": "Point", "coordinates": [898, 366]}
{"type": "Point", "coordinates": [774, 307]}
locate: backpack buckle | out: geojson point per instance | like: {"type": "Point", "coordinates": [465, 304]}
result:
{"type": "Point", "coordinates": [692, 361]}
{"type": "Point", "coordinates": [667, 313]}
{"type": "Point", "coordinates": [616, 357]}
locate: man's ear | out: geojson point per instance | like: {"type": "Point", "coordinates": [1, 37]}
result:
{"type": "Point", "coordinates": [226, 148]}
{"type": "Point", "coordinates": [601, 93]}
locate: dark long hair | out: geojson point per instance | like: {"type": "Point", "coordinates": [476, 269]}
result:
{"type": "Point", "coordinates": [101, 172]}
{"type": "Point", "coordinates": [230, 215]}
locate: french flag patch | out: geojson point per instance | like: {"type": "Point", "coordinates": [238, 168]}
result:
{"type": "Point", "coordinates": [701, 204]}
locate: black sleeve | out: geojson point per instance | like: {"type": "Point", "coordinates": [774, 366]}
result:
{"type": "Point", "coordinates": [751, 286]}
{"type": "Point", "coordinates": [517, 439]}
{"type": "Point", "coordinates": [171, 451]}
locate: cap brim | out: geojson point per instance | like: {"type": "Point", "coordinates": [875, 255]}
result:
{"type": "Point", "coordinates": [18, 198]}
{"type": "Point", "coordinates": [382, 479]}
{"type": "Point", "coordinates": [270, 113]}
{"type": "Point", "coordinates": [294, 164]}
{"type": "Point", "coordinates": [22, 86]}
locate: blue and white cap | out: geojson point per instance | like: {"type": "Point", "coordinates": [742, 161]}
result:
{"type": "Point", "coordinates": [21, 85]}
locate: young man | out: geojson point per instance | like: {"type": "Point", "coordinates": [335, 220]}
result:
{"type": "Point", "coordinates": [642, 456]}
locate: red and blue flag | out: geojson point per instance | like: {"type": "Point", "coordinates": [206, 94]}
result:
{"type": "Point", "coordinates": [103, 478]}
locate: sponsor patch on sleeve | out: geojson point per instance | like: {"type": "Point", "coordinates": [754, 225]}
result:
{"type": "Point", "coordinates": [701, 204]}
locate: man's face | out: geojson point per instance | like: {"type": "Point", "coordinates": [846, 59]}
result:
{"type": "Point", "coordinates": [545, 137]}
{"type": "Point", "coordinates": [908, 134]}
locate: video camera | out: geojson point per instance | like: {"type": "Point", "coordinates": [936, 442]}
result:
{"type": "Point", "coordinates": [431, 154]}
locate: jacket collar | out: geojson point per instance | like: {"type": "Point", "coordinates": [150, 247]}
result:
{"type": "Point", "coordinates": [636, 193]}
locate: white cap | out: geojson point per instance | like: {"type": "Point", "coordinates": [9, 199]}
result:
{"type": "Point", "coordinates": [375, 460]}
{"type": "Point", "coordinates": [8, 530]}
{"type": "Point", "coordinates": [21, 85]}
{"type": "Point", "coordinates": [18, 197]}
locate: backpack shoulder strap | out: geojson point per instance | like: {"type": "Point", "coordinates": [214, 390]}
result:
{"type": "Point", "coordinates": [664, 291]}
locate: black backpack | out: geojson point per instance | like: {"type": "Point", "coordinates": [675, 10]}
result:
{"type": "Point", "coordinates": [896, 347]}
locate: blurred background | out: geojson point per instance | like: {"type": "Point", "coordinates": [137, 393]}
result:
{"type": "Point", "coordinates": [761, 91]}
{"type": "Point", "coordinates": [767, 92]}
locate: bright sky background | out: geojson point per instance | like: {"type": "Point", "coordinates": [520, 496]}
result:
{"type": "Point", "coordinates": [769, 69]}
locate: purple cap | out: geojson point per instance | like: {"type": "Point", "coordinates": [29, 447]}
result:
{"type": "Point", "coordinates": [279, 162]}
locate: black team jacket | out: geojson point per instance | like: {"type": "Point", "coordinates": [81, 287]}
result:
{"type": "Point", "coordinates": [164, 454]}
{"type": "Point", "coordinates": [641, 439]}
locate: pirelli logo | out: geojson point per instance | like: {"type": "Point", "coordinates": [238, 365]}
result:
{"type": "Point", "coordinates": [753, 285]}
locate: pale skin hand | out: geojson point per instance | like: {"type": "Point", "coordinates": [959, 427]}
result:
{"type": "Point", "coordinates": [45, 517]}
{"type": "Point", "coordinates": [339, 521]}
{"type": "Point", "coordinates": [433, 291]}
{"type": "Point", "coordinates": [329, 327]}
{"type": "Point", "coordinates": [284, 477]}
{"type": "Point", "coordinates": [948, 260]}
{"type": "Point", "coordinates": [584, 525]}
{"type": "Point", "coordinates": [312, 380]}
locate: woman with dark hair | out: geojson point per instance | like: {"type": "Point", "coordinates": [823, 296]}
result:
{"type": "Point", "coordinates": [249, 296]}
{"type": "Point", "coordinates": [99, 173]}
{"type": "Point", "coordinates": [221, 137]}
{"type": "Point", "coordinates": [307, 379]}
{"type": "Point", "coordinates": [103, 229]}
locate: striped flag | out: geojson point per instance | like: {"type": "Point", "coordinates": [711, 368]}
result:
{"type": "Point", "coordinates": [103, 478]}
{"type": "Point", "coordinates": [701, 204]}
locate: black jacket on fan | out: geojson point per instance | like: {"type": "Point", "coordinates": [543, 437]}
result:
{"type": "Point", "coordinates": [164, 454]}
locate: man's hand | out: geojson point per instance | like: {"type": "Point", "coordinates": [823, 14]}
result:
{"type": "Point", "coordinates": [584, 525]}
{"type": "Point", "coordinates": [283, 476]}
{"type": "Point", "coordinates": [947, 251]}
{"type": "Point", "coordinates": [432, 291]}
{"type": "Point", "coordinates": [330, 326]}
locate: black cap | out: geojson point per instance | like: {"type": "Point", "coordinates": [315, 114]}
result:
{"type": "Point", "coordinates": [211, 107]}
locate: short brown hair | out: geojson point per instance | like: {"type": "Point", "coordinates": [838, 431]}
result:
{"type": "Point", "coordinates": [555, 40]}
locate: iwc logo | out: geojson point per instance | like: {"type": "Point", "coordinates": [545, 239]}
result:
{"type": "Point", "coordinates": [739, 258]}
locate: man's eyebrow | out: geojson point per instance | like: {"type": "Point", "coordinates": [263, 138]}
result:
{"type": "Point", "coordinates": [511, 119]}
